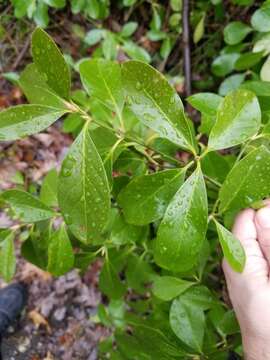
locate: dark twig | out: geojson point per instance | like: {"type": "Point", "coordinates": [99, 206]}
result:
{"type": "Point", "coordinates": [21, 54]}
{"type": "Point", "coordinates": [186, 47]}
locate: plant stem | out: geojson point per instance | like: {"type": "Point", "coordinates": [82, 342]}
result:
{"type": "Point", "coordinates": [186, 47]}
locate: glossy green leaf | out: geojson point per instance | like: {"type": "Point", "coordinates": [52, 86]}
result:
{"type": "Point", "coordinates": [60, 253]}
{"type": "Point", "coordinates": [260, 88]}
{"type": "Point", "coordinates": [206, 103]}
{"type": "Point", "coordinates": [109, 281]}
{"type": "Point", "coordinates": [232, 248]}
{"type": "Point", "coordinates": [156, 104]}
{"type": "Point", "coordinates": [102, 80]}
{"type": "Point", "coordinates": [231, 83]}
{"type": "Point", "coordinates": [247, 60]}
{"type": "Point", "coordinates": [238, 119]}
{"type": "Point", "coordinates": [146, 197]}
{"type": "Point", "coordinates": [188, 323]}
{"type": "Point", "coordinates": [48, 191]}
{"type": "Point", "coordinates": [136, 52]}
{"type": "Point", "coordinates": [26, 207]}
{"type": "Point", "coordinates": [224, 64]}
{"type": "Point", "coordinates": [260, 20]}
{"type": "Point", "coordinates": [49, 60]}
{"type": "Point", "coordinates": [35, 87]}
{"type": "Point", "coordinates": [168, 287]}
{"type": "Point", "coordinates": [247, 182]}
{"type": "Point", "coordinates": [215, 166]}
{"type": "Point", "coordinates": [23, 120]}
{"type": "Point", "coordinates": [83, 191]}
{"type": "Point", "coordinates": [199, 296]}
{"type": "Point", "coordinates": [235, 32]}
{"type": "Point", "coordinates": [7, 257]}
{"type": "Point", "coordinates": [182, 230]}
{"type": "Point", "coordinates": [265, 70]}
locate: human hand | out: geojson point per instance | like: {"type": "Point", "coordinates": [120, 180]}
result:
{"type": "Point", "coordinates": [250, 291]}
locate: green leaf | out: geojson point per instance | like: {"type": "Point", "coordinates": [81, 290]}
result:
{"type": "Point", "coordinates": [265, 70]}
{"type": "Point", "coordinates": [109, 46]}
{"type": "Point", "coordinates": [146, 197]}
{"type": "Point", "coordinates": [231, 83]}
{"type": "Point", "coordinates": [206, 103]}
{"type": "Point", "coordinates": [26, 207]}
{"type": "Point", "coordinates": [109, 282]}
{"type": "Point", "coordinates": [7, 257]}
{"type": "Point", "coordinates": [48, 191]}
{"type": "Point", "coordinates": [138, 274]}
{"type": "Point", "coordinates": [60, 253]}
{"type": "Point", "coordinates": [199, 30]}
{"type": "Point", "coordinates": [260, 20]}
{"type": "Point", "coordinates": [182, 230]}
{"type": "Point", "coordinates": [94, 36]}
{"type": "Point", "coordinates": [224, 64]}
{"type": "Point", "coordinates": [247, 182]}
{"type": "Point", "coordinates": [35, 87]}
{"type": "Point", "coordinates": [156, 103]}
{"type": "Point", "coordinates": [49, 60]}
{"type": "Point", "coordinates": [247, 60]}
{"type": "Point", "coordinates": [136, 52]}
{"type": "Point", "coordinates": [23, 120]}
{"type": "Point", "coordinates": [58, 4]}
{"type": "Point", "coordinates": [83, 190]}
{"type": "Point", "coordinates": [188, 323]}
{"type": "Point", "coordinates": [215, 166]}
{"type": "Point", "coordinates": [129, 28]}
{"type": "Point", "coordinates": [176, 5]}
{"type": "Point", "coordinates": [235, 32]}
{"type": "Point", "coordinates": [102, 80]}
{"type": "Point", "coordinates": [168, 287]}
{"type": "Point", "coordinates": [238, 119]}
{"type": "Point", "coordinates": [199, 296]}
{"type": "Point", "coordinates": [232, 248]}
{"type": "Point", "coordinates": [260, 88]}
{"type": "Point", "coordinates": [41, 15]}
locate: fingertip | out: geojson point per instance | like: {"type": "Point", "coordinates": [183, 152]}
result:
{"type": "Point", "coordinates": [244, 226]}
{"type": "Point", "coordinates": [262, 217]}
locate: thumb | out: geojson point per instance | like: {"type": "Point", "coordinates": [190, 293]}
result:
{"type": "Point", "coordinates": [262, 221]}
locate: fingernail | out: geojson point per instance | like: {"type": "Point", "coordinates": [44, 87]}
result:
{"type": "Point", "coordinates": [263, 217]}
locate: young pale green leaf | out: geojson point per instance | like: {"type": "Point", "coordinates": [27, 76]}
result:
{"type": "Point", "coordinates": [188, 323]}
{"type": "Point", "coordinates": [238, 119]}
{"type": "Point", "coordinates": [199, 30]}
{"type": "Point", "coordinates": [182, 230]}
{"type": "Point", "coordinates": [102, 80]}
{"type": "Point", "coordinates": [136, 52]}
{"type": "Point", "coordinates": [156, 103]}
{"type": "Point", "coordinates": [260, 20]}
{"type": "Point", "coordinates": [7, 257]}
{"type": "Point", "coordinates": [35, 87]}
{"type": "Point", "coordinates": [168, 287]}
{"type": "Point", "coordinates": [265, 70]}
{"type": "Point", "coordinates": [248, 60]}
{"type": "Point", "coordinates": [83, 190]}
{"type": "Point", "coordinates": [247, 182]}
{"type": "Point", "coordinates": [49, 61]}
{"type": "Point", "coordinates": [60, 253]}
{"type": "Point", "coordinates": [26, 207]}
{"type": "Point", "coordinates": [232, 248]}
{"type": "Point", "coordinates": [146, 197]}
{"type": "Point", "coordinates": [206, 103]}
{"type": "Point", "coordinates": [23, 120]}
{"type": "Point", "coordinates": [110, 283]}
{"type": "Point", "coordinates": [48, 191]}
{"type": "Point", "coordinates": [224, 64]}
{"type": "Point", "coordinates": [235, 32]}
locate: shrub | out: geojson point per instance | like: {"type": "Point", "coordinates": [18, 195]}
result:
{"type": "Point", "coordinates": [141, 191]}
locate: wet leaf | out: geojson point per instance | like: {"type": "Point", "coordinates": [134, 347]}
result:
{"type": "Point", "coordinates": [49, 60]}
{"type": "Point", "coordinates": [109, 281]}
{"type": "Point", "coordinates": [26, 207]}
{"type": "Point", "coordinates": [182, 230]}
{"type": "Point", "coordinates": [48, 191]}
{"type": "Point", "coordinates": [60, 253]}
{"type": "Point", "coordinates": [83, 191]}
{"type": "Point", "coordinates": [23, 120]}
{"type": "Point", "coordinates": [102, 80]}
{"type": "Point", "coordinates": [238, 119]}
{"type": "Point", "coordinates": [156, 104]}
{"type": "Point", "coordinates": [247, 182]}
{"type": "Point", "coordinates": [232, 248]}
{"type": "Point", "coordinates": [168, 287]}
{"type": "Point", "coordinates": [206, 103]}
{"type": "Point", "coordinates": [146, 197]}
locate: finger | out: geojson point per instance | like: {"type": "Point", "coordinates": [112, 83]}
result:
{"type": "Point", "coordinates": [262, 221]}
{"type": "Point", "coordinates": [245, 231]}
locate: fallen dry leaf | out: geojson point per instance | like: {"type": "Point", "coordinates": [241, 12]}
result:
{"type": "Point", "coordinates": [39, 320]}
